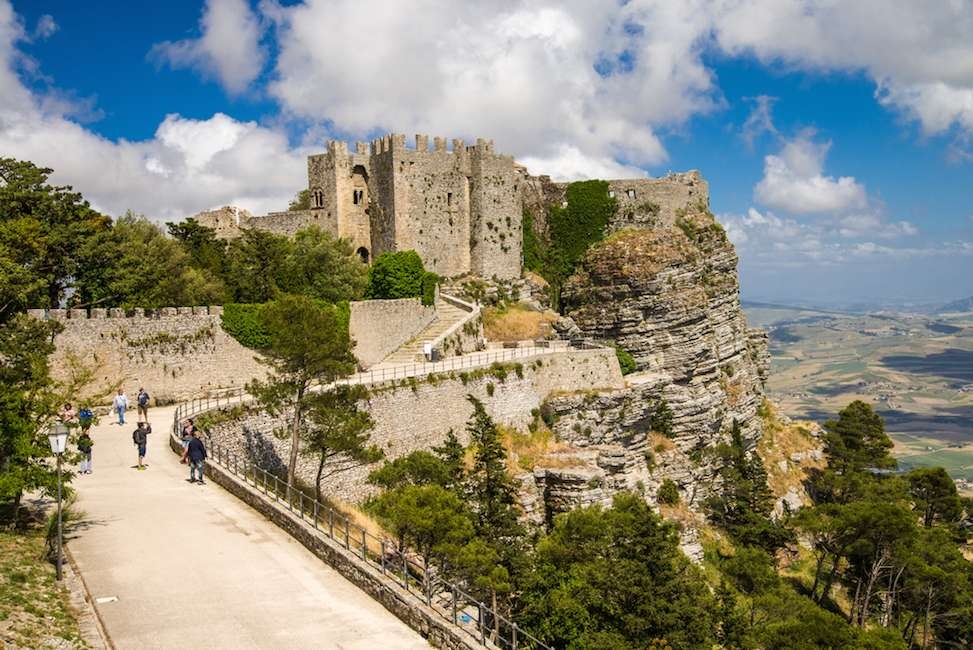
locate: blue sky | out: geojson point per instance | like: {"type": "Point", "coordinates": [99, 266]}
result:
{"type": "Point", "coordinates": [838, 147]}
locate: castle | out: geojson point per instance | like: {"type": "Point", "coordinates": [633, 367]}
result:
{"type": "Point", "coordinates": [460, 208]}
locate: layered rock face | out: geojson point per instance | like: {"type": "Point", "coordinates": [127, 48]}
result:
{"type": "Point", "coordinates": [669, 295]}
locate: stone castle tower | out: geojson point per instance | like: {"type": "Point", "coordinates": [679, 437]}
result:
{"type": "Point", "coordinates": [459, 208]}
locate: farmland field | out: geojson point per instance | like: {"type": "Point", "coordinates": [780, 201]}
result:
{"type": "Point", "coordinates": [916, 370]}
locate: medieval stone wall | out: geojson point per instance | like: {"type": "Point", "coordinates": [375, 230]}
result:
{"type": "Point", "coordinates": [496, 240]}
{"type": "Point", "coordinates": [174, 353]}
{"type": "Point", "coordinates": [379, 327]}
{"type": "Point", "coordinates": [417, 415]}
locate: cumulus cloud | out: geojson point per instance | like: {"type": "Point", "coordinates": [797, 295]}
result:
{"type": "Point", "coordinates": [918, 54]}
{"type": "Point", "coordinates": [189, 165]}
{"type": "Point", "coordinates": [227, 50]}
{"type": "Point", "coordinates": [793, 180]}
{"type": "Point", "coordinates": [575, 84]}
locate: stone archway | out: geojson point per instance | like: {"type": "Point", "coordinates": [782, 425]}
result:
{"type": "Point", "coordinates": [363, 254]}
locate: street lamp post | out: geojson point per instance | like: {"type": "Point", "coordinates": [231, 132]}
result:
{"type": "Point", "coordinates": [58, 437]}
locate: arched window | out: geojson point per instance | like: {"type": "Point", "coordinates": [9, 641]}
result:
{"type": "Point", "coordinates": [363, 254]}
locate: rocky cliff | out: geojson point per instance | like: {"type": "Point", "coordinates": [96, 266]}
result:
{"type": "Point", "coordinates": [668, 294]}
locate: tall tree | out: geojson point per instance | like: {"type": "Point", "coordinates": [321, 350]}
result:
{"type": "Point", "coordinates": [206, 251]}
{"type": "Point", "coordinates": [27, 405]}
{"type": "Point", "coordinates": [309, 344]}
{"type": "Point", "coordinates": [134, 264]}
{"type": "Point", "coordinates": [43, 228]}
{"type": "Point", "coordinates": [935, 494]}
{"type": "Point", "coordinates": [254, 262]}
{"type": "Point", "coordinates": [337, 432]}
{"type": "Point", "coordinates": [323, 267]}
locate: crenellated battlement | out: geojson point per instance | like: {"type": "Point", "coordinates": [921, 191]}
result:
{"type": "Point", "coordinates": [99, 313]}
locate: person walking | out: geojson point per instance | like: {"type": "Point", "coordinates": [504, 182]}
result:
{"type": "Point", "coordinates": [120, 403]}
{"type": "Point", "coordinates": [86, 418]}
{"type": "Point", "coordinates": [196, 453]}
{"type": "Point", "coordinates": [141, 438]}
{"type": "Point", "coordinates": [142, 403]}
{"type": "Point", "coordinates": [84, 447]}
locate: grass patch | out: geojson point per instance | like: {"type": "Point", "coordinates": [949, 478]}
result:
{"type": "Point", "coordinates": [516, 322]}
{"type": "Point", "coordinates": [527, 450]}
{"type": "Point", "coordinates": [34, 610]}
{"type": "Point", "coordinates": [779, 441]}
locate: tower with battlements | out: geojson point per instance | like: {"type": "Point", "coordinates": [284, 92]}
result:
{"type": "Point", "coordinates": [459, 207]}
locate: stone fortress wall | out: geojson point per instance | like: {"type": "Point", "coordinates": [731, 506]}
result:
{"type": "Point", "coordinates": [417, 415]}
{"type": "Point", "coordinates": [181, 353]}
{"type": "Point", "coordinates": [174, 353]}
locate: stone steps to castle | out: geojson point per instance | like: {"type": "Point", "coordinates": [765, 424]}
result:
{"type": "Point", "coordinates": [447, 315]}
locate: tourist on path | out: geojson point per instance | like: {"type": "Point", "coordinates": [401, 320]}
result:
{"type": "Point", "coordinates": [141, 438]}
{"type": "Point", "coordinates": [84, 446]}
{"type": "Point", "coordinates": [120, 403]}
{"type": "Point", "coordinates": [188, 428]}
{"type": "Point", "coordinates": [67, 414]}
{"type": "Point", "coordinates": [196, 453]}
{"type": "Point", "coordinates": [142, 403]}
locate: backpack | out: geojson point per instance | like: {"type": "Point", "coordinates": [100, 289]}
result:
{"type": "Point", "coordinates": [144, 399]}
{"type": "Point", "coordinates": [84, 444]}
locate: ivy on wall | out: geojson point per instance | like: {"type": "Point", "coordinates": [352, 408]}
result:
{"type": "Point", "coordinates": [571, 230]}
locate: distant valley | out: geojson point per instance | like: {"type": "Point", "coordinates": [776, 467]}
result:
{"type": "Point", "coordinates": [915, 368]}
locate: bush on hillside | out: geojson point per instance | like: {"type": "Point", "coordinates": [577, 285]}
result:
{"type": "Point", "coordinates": [396, 275]}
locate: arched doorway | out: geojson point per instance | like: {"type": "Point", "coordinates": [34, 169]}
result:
{"type": "Point", "coordinates": [363, 254]}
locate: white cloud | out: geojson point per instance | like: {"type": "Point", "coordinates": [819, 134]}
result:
{"type": "Point", "coordinates": [918, 54]}
{"type": "Point", "coordinates": [793, 180]}
{"type": "Point", "coordinates": [228, 49]}
{"type": "Point", "coordinates": [759, 121]}
{"type": "Point", "coordinates": [522, 72]}
{"type": "Point", "coordinates": [569, 163]}
{"type": "Point", "coordinates": [45, 27]}
{"type": "Point", "coordinates": [189, 165]}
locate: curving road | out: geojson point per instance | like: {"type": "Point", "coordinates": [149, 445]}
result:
{"type": "Point", "coordinates": [192, 566]}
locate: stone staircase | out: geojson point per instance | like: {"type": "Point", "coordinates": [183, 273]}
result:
{"type": "Point", "coordinates": [447, 315]}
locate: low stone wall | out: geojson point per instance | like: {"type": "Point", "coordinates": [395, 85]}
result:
{"type": "Point", "coordinates": [439, 632]}
{"type": "Point", "coordinates": [380, 327]}
{"type": "Point", "coordinates": [413, 415]}
{"type": "Point", "coordinates": [175, 353]}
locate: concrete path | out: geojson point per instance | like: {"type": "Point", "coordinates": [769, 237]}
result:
{"type": "Point", "coordinates": [192, 566]}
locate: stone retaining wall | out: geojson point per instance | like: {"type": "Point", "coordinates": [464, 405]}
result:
{"type": "Point", "coordinates": [413, 415]}
{"type": "Point", "coordinates": [175, 353]}
{"type": "Point", "coordinates": [380, 327]}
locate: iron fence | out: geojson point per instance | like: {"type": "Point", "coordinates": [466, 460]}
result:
{"type": "Point", "coordinates": [414, 574]}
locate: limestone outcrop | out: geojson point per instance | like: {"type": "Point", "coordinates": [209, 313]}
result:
{"type": "Point", "coordinates": [669, 295]}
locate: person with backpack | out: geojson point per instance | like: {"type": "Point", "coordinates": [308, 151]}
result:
{"type": "Point", "coordinates": [142, 403]}
{"type": "Point", "coordinates": [196, 454]}
{"type": "Point", "coordinates": [84, 447]}
{"type": "Point", "coordinates": [141, 438]}
{"type": "Point", "coordinates": [120, 403]}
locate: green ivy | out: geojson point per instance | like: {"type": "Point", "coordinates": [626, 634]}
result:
{"type": "Point", "coordinates": [571, 231]}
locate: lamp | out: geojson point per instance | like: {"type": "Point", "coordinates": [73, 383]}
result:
{"type": "Point", "coordinates": [58, 437]}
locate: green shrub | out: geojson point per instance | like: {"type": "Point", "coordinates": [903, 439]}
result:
{"type": "Point", "coordinates": [668, 493]}
{"type": "Point", "coordinates": [662, 419]}
{"type": "Point", "coordinates": [429, 282]}
{"type": "Point", "coordinates": [242, 322]}
{"type": "Point", "coordinates": [396, 275]}
{"type": "Point", "coordinates": [625, 360]}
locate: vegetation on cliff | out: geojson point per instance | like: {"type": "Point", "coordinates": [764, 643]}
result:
{"type": "Point", "coordinates": [571, 230]}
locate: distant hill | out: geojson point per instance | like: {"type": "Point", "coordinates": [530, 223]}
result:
{"type": "Point", "coordinates": [966, 304]}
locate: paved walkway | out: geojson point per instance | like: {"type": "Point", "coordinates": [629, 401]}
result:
{"type": "Point", "coordinates": [192, 566]}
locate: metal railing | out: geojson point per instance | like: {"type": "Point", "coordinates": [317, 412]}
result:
{"type": "Point", "coordinates": [409, 571]}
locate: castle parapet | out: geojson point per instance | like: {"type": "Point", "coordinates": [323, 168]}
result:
{"type": "Point", "coordinates": [439, 144]}
{"type": "Point", "coordinates": [361, 147]}
{"type": "Point", "coordinates": [422, 142]}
